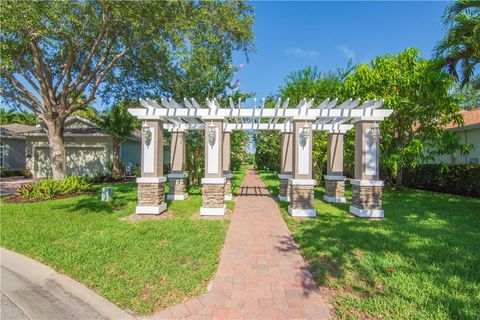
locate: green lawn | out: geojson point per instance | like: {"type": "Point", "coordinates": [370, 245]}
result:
{"type": "Point", "coordinates": [141, 266]}
{"type": "Point", "coordinates": [421, 262]}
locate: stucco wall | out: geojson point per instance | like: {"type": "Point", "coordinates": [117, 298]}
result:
{"type": "Point", "coordinates": [14, 153]}
{"type": "Point", "coordinates": [466, 136]}
{"type": "Point", "coordinates": [130, 152]}
{"type": "Point", "coordinates": [86, 156]}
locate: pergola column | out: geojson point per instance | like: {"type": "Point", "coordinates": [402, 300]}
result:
{"type": "Point", "coordinates": [334, 179]}
{"type": "Point", "coordinates": [213, 184]}
{"type": "Point", "coordinates": [177, 177]}
{"type": "Point", "coordinates": [286, 166]}
{"type": "Point", "coordinates": [302, 184]}
{"type": "Point", "coordinates": [366, 187]}
{"type": "Point", "coordinates": [226, 164]}
{"type": "Point", "coordinates": [151, 184]}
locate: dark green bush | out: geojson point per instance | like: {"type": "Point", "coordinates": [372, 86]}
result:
{"type": "Point", "coordinates": [49, 188]}
{"type": "Point", "coordinates": [463, 179]}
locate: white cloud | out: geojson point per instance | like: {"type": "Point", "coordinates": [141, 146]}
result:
{"type": "Point", "coordinates": [298, 52]}
{"type": "Point", "coordinates": [347, 52]}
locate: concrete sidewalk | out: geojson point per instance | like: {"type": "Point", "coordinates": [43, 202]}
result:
{"type": "Point", "coordinates": [35, 291]}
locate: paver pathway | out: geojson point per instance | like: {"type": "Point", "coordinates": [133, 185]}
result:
{"type": "Point", "coordinates": [261, 272]}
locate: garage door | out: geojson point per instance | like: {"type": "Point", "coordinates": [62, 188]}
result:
{"type": "Point", "coordinates": [89, 161]}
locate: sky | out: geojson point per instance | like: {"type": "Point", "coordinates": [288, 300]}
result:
{"type": "Point", "coordinates": [292, 35]}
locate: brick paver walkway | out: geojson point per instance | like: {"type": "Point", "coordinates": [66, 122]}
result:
{"type": "Point", "coordinates": [261, 274]}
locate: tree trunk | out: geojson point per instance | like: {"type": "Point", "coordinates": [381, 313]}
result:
{"type": "Point", "coordinates": [57, 148]}
{"type": "Point", "coordinates": [116, 172]}
{"type": "Point", "coordinates": [399, 179]}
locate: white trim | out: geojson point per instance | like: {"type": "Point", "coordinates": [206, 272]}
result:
{"type": "Point", "coordinates": [334, 178]}
{"type": "Point", "coordinates": [214, 180]}
{"type": "Point", "coordinates": [284, 176]}
{"type": "Point", "coordinates": [304, 118]}
{"type": "Point", "coordinates": [284, 198]}
{"type": "Point", "coordinates": [213, 156]}
{"type": "Point", "coordinates": [302, 182]}
{"type": "Point", "coordinates": [334, 199]}
{"type": "Point", "coordinates": [151, 209]}
{"type": "Point", "coordinates": [371, 118]}
{"type": "Point", "coordinates": [303, 213]}
{"type": "Point", "coordinates": [366, 213]}
{"type": "Point", "coordinates": [303, 154]}
{"type": "Point", "coordinates": [213, 211]}
{"type": "Point", "coordinates": [151, 179]}
{"type": "Point", "coordinates": [228, 197]}
{"type": "Point", "coordinates": [366, 183]}
{"type": "Point", "coordinates": [177, 175]}
{"type": "Point", "coordinates": [177, 196]}
{"type": "Point", "coordinates": [148, 165]}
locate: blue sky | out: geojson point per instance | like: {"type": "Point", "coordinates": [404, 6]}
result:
{"type": "Point", "coordinates": [292, 35]}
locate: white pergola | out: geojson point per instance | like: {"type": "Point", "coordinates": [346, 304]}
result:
{"type": "Point", "coordinates": [295, 125]}
{"type": "Point", "coordinates": [329, 115]}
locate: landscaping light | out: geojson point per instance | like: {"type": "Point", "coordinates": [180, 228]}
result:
{"type": "Point", "coordinates": [212, 134]}
{"type": "Point", "coordinates": [146, 133]}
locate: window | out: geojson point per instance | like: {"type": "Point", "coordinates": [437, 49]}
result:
{"type": "Point", "coordinates": [2, 154]}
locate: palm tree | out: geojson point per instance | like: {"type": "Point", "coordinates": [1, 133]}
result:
{"type": "Point", "coordinates": [460, 49]}
{"type": "Point", "coordinates": [119, 124]}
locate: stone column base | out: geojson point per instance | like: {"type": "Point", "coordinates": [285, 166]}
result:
{"type": "Point", "coordinates": [334, 189]}
{"type": "Point", "coordinates": [228, 186]}
{"type": "Point", "coordinates": [301, 198]}
{"type": "Point", "coordinates": [213, 197]}
{"type": "Point", "coordinates": [284, 190]}
{"type": "Point", "coordinates": [367, 198]}
{"type": "Point", "coordinates": [151, 195]}
{"type": "Point", "coordinates": [177, 186]}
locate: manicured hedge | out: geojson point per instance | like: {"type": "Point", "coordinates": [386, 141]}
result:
{"type": "Point", "coordinates": [461, 179]}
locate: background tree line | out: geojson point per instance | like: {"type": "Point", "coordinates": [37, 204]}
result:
{"type": "Point", "coordinates": [425, 94]}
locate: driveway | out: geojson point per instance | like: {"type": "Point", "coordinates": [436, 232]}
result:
{"type": "Point", "coordinates": [11, 184]}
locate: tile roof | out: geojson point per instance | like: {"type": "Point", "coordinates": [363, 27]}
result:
{"type": "Point", "coordinates": [470, 117]}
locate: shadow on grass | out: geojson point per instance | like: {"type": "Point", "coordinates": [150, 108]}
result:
{"type": "Point", "coordinates": [420, 261]}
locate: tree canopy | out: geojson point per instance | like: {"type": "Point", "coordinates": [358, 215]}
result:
{"type": "Point", "coordinates": [59, 56]}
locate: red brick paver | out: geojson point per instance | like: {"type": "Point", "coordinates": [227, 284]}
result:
{"type": "Point", "coordinates": [261, 274]}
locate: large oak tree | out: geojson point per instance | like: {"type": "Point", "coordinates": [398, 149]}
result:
{"type": "Point", "coordinates": [59, 56]}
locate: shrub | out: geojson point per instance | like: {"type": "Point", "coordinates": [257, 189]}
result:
{"type": "Point", "coordinates": [463, 179]}
{"type": "Point", "coordinates": [49, 188]}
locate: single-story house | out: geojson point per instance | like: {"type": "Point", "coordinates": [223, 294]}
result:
{"type": "Point", "coordinates": [468, 133]}
{"type": "Point", "coordinates": [12, 146]}
{"type": "Point", "coordinates": [89, 149]}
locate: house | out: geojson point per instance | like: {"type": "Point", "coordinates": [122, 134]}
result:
{"type": "Point", "coordinates": [468, 133]}
{"type": "Point", "coordinates": [89, 149]}
{"type": "Point", "coordinates": [12, 146]}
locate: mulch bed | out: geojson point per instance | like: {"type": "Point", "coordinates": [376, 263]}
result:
{"type": "Point", "coordinates": [18, 199]}
{"type": "Point", "coordinates": [141, 217]}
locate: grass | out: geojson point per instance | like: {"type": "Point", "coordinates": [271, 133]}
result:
{"type": "Point", "coordinates": [141, 266]}
{"type": "Point", "coordinates": [421, 262]}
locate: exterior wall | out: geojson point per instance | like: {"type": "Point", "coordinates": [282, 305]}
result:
{"type": "Point", "coordinates": [13, 154]}
{"type": "Point", "coordinates": [130, 151]}
{"type": "Point", "coordinates": [86, 156]}
{"type": "Point", "coordinates": [469, 135]}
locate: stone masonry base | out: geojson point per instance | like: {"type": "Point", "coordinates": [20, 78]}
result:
{"type": "Point", "coordinates": [151, 198]}
{"type": "Point", "coordinates": [367, 201]}
{"type": "Point", "coordinates": [284, 191]}
{"type": "Point", "coordinates": [301, 201]}
{"type": "Point", "coordinates": [213, 199]}
{"type": "Point", "coordinates": [177, 189]}
{"type": "Point", "coordinates": [334, 191]}
{"type": "Point", "coordinates": [228, 189]}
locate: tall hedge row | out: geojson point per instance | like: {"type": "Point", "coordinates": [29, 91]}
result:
{"type": "Point", "coordinates": [463, 179]}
